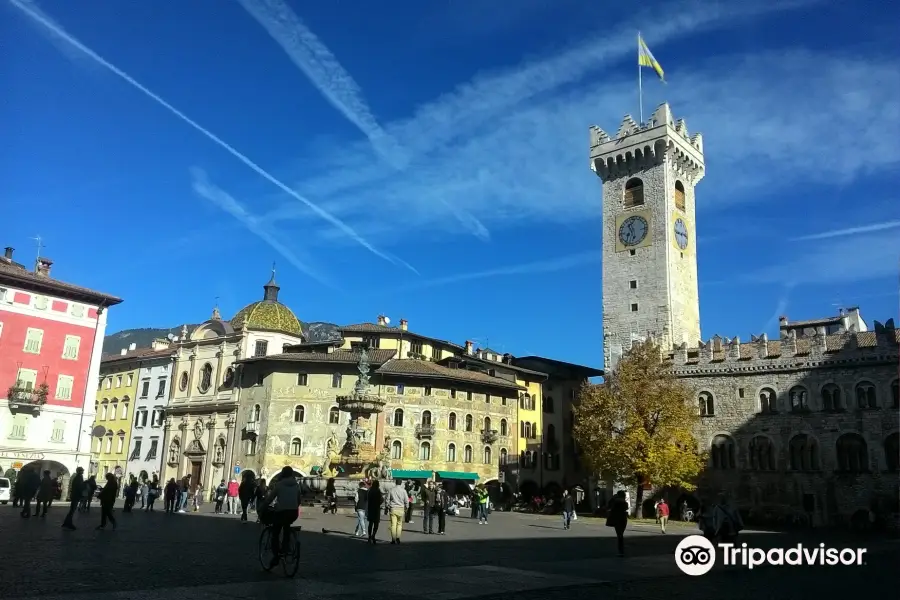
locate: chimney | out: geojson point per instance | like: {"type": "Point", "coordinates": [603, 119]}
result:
{"type": "Point", "coordinates": [404, 324]}
{"type": "Point", "coordinates": [159, 344]}
{"type": "Point", "coordinates": [382, 321]}
{"type": "Point", "coordinates": [782, 321]}
{"type": "Point", "coordinates": [42, 266]}
{"type": "Point", "coordinates": [8, 253]}
{"type": "Point", "coordinates": [469, 348]}
{"type": "Point", "coordinates": [123, 351]}
{"type": "Point", "coordinates": [132, 346]}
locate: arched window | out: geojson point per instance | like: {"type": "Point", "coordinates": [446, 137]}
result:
{"type": "Point", "coordinates": [865, 395]}
{"type": "Point", "coordinates": [398, 417]}
{"type": "Point", "coordinates": [487, 423]}
{"type": "Point", "coordinates": [255, 413]}
{"type": "Point", "coordinates": [113, 410]}
{"type": "Point", "coordinates": [707, 404]}
{"type": "Point", "coordinates": [504, 427]}
{"type": "Point", "coordinates": [895, 393]}
{"type": "Point", "coordinates": [721, 452]}
{"type": "Point", "coordinates": [548, 404]}
{"type": "Point", "coordinates": [334, 415]}
{"type": "Point", "coordinates": [762, 454]}
{"type": "Point", "coordinates": [299, 413]}
{"type": "Point", "coordinates": [468, 422]}
{"type": "Point", "coordinates": [467, 454]}
{"type": "Point", "coordinates": [892, 452]}
{"type": "Point", "coordinates": [527, 402]}
{"type": "Point", "coordinates": [504, 456]}
{"type": "Point", "coordinates": [296, 447]}
{"type": "Point", "coordinates": [336, 380]}
{"type": "Point", "coordinates": [426, 417]}
{"type": "Point", "coordinates": [451, 453]}
{"type": "Point", "coordinates": [396, 450]}
{"type": "Point", "coordinates": [205, 378]}
{"type": "Point", "coordinates": [831, 397]}
{"type": "Point", "coordinates": [251, 446]}
{"type": "Point", "coordinates": [799, 399]}
{"type": "Point", "coordinates": [551, 433]}
{"type": "Point", "coordinates": [634, 192]}
{"type": "Point", "coordinates": [852, 453]}
{"type": "Point", "coordinates": [124, 414]}
{"type": "Point", "coordinates": [451, 422]}
{"type": "Point", "coordinates": [804, 453]}
{"type": "Point", "coordinates": [767, 399]}
{"type": "Point", "coordinates": [679, 195]}
{"type": "Point", "coordinates": [424, 451]}
{"type": "Point", "coordinates": [487, 455]}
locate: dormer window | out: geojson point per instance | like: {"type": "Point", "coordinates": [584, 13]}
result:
{"type": "Point", "coordinates": [372, 341]}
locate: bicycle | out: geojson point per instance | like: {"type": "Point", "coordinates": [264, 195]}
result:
{"type": "Point", "coordinates": [289, 557]}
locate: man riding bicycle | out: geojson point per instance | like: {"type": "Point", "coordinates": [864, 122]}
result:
{"type": "Point", "coordinates": [286, 497]}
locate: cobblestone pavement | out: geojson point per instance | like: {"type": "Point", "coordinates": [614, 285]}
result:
{"type": "Point", "coordinates": [154, 555]}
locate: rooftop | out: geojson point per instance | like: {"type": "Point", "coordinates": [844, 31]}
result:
{"type": "Point", "coordinates": [427, 369]}
{"type": "Point", "coordinates": [380, 328]}
{"type": "Point", "coordinates": [40, 281]}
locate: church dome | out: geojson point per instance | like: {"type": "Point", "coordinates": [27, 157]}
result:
{"type": "Point", "coordinates": [268, 314]}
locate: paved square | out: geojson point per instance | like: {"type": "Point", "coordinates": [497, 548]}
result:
{"type": "Point", "coordinates": [200, 555]}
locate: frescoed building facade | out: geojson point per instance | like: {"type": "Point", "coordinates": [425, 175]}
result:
{"type": "Point", "coordinates": [51, 336]}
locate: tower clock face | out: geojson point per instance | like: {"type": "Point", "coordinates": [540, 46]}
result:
{"type": "Point", "coordinates": [681, 233]}
{"type": "Point", "coordinates": [633, 230]}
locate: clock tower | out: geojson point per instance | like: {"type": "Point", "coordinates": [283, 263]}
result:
{"type": "Point", "coordinates": [649, 171]}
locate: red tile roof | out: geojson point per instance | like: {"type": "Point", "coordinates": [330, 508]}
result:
{"type": "Point", "coordinates": [12, 273]}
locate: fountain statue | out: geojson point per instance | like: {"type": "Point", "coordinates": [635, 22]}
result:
{"type": "Point", "coordinates": [358, 449]}
{"type": "Point", "coordinates": [331, 453]}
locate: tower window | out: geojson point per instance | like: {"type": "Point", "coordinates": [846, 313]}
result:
{"type": "Point", "coordinates": [634, 192]}
{"type": "Point", "coordinates": [631, 252]}
{"type": "Point", "coordinates": [679, 195]}
{"type": "Point", "coordinates": [634, 307]}
{"type": "Point", "coordinates": [633, 284]}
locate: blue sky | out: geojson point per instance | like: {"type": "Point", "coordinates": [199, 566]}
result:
{"type": "Point", "coordinates": [429, 160]}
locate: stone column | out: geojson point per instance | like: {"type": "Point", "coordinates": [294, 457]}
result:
{"type": "Point", "coordinates": [167, 439]}
{"type": "Point", "coordinates": [206, 479]}
{"type": "Point", "coordinates": [230, 424]}
{"type": "Point", "coordinates": [220, 358]}
{"type": "Point", "coordinates": [182, 444]}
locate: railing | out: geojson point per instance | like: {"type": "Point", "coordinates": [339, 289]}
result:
{"type": "Point", "coordinates": [425, 430]}
{"type": "Point", "coordinates": [252, 427]}
{"type": "Point", "coordinates": [24, 397]}
{"type": "Point", "coordinates": [489, 436]}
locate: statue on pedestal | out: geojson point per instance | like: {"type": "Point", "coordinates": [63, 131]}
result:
{"type": "Point", "coordinates": [331, 453]}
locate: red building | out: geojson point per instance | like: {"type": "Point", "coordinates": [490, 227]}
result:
{"type": "Point", "coordinates": [51, 336]}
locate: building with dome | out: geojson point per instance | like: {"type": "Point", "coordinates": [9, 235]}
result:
{"type": "Point", "coordinates": [200, 422]}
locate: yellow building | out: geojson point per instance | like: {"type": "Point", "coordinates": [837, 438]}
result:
{"type": "Point", "coordinates": [116, 394]}
{"type": "Point", "coordinates": [439, 417]}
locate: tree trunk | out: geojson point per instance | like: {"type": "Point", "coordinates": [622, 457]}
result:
{"type": "Point", "coordinates": [639, 497]}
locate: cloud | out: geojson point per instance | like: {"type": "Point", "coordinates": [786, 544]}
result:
{"type": "Point", "coordinates": [322, 68]}
{"type": "Point", "coordinates": [849, 231]}
{"type": "Point", "coordinates": [57, 32]}
{"type": "Point", "coordinates": [544, 266]}
{"type": "Point", "coordinates": [780, 308]}
{"type": "Point", "coordinates": [842, 261]}
{"type": "Point", "coordinates": [224, 201]}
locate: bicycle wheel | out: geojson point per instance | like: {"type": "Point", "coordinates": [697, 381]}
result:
{"type": "Point", "coordinates": [265, 549]}
{"type": "Point", "coordinates": [290, 558]}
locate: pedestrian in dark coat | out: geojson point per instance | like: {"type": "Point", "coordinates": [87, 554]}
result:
{"type": "Point", "coordinates": [76, 491]}
{"type": "Point", "coordinates": [617, 518]}
{"type": "Point", "coordinates": [107, 499]}
{"type": "Point", "coordinates": [374, 500]}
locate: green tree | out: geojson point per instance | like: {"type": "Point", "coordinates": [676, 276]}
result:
{"type": "Point", "coordinates": [636, 427]}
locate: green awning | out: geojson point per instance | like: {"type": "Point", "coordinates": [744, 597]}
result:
{"type": "Point", "coordinates": [404, 474]}
{"type": "Point", "coordinates": [458, 475]}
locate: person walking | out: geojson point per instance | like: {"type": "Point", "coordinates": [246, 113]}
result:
{"type": "Point", "coordinates": [662, 512]}
{"type": "Point", "coordinates": [107, 499]}
{"type": "Point", "coordinates": [568, 509]}
{"type": "Point", "coordinates": [412, 500]}
{"type": "Point", "coordinates": [76, 490]}
{"type": "Point", "coordinates": [428, 498]}
{"type": "Point", "coordinates": [152, 493]}
{"type": "Point", "coordinates": [361, 507]}
{"type": "Point", "coordinates": [482, 498]}
{"type": "Point", "coordinates": [617, 518]}
{"type": "Point", "coordinates": [31, 483]}
{"type": "Point", "coordinates": [260, 493]}
{"type": "Point", "coordinates": [441, 506]}
{"type": "Point", "coordinates": [171, 495]}
{"type": "Point", "coordinates": [145, 494]}
{"type": "Point", "coordinates": [221, 492]}
{"type": "Point", "coordinates": [374, 500]}
{"type": "Point", "coordinates": [245, 493]}
{"type": "Point", "coordinates": [398, 504]}
{"type": "Point", "coordinates": [231, 501]}
{"type": "Point", "coordinates": [44, 495]}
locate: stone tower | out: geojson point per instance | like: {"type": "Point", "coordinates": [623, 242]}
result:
{"type": "Point", "coordinates": [649, 172]}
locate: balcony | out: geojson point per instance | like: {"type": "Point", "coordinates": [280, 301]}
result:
{"type": "Point", "coordinates": [425, 430]}
{"type": "Point", "coordinates": [27, 399]}
{"type": "Point", "coordinates": [489, 436]}
{"type": "Point", "coordinates": [252, 428]}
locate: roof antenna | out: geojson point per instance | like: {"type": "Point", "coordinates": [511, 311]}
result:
{"type": "Point", "coordinates": [40, 245]}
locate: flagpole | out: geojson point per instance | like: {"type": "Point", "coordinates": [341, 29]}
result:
{"type": "Point", "coordinates": [640, 82]}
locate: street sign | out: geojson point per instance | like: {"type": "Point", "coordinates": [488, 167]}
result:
{"type": "Point", "coordinates": [237, 470]}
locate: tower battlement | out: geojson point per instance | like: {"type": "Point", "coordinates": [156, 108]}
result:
{"type": "Point", "coordinates": [638, 146]}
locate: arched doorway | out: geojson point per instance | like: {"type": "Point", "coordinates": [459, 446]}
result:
{"type": "Point", "coordinates": [528, 489]}
{"type": "Point", "coordinates": [58, 472]}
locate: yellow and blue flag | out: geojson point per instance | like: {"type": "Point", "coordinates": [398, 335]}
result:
{"type": "Point", "coordinates": [645, 59]}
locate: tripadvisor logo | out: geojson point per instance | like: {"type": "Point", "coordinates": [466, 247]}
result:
{"type": "Point", "coordinates": [696, 555]}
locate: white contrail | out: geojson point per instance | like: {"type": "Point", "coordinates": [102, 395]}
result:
{"type": "Point", "coordinates": [848, 231]}
{"type": "Point", "coordinates": [326, 73]}
{"type": "Point", "coordinates": [64, 35]}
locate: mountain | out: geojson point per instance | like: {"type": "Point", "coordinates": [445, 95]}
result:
{"type": "Point", "coordinates": [142, 337]}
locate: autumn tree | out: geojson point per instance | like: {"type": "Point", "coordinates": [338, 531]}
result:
{"type": "Point", "coordinates": [636, 427]}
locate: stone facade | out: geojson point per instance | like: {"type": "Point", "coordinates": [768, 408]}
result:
{"type": "Point", "coordinates": [650, 272]}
